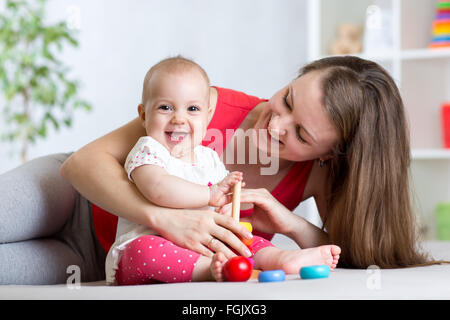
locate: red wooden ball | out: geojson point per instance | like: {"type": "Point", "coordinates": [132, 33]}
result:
{"type": "Point", "coordinates": [237, 269]}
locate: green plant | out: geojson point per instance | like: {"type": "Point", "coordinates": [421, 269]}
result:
{"type": "Point", "coordinates": [34, 82]}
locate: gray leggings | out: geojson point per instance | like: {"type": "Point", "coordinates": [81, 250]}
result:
{"type": "Point", "coordinates": [46, 227]}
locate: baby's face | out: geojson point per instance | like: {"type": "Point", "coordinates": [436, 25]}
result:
{"type": "Point", "coordinates": [177, 110]}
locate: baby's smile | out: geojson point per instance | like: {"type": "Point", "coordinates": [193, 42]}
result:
{"type": "Point", "coordinates": [176, 136]}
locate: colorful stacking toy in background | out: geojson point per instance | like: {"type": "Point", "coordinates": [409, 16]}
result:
{"type": "Point", "coordinates": [441, 26]}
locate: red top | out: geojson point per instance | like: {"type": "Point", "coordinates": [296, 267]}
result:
{"type": "Point", "coordinates": [231, 109]}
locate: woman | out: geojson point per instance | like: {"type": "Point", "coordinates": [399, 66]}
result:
{"type": "Point", "coordinates": [342, 138]}
{"type": "Point", "coordinates": [343, 111]}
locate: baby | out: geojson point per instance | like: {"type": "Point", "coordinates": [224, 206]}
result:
{"type": "Point", "coordinates": [169, 166]}
{"type": "Point", "coordinates": [172, 169]}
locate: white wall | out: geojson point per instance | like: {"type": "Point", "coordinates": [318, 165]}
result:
{"type": "Point", "coordinates": [255, 46]}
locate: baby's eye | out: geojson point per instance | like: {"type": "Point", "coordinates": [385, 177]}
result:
{"type": "Point", "coordinates": [193, 108]}
{"type": "Point", "coordinates": [165, 107]}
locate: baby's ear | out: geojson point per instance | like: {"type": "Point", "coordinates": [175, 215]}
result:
{"type": "Point", "coordinates": [210, 113]}
{"type": "Point", "coordinates": [141, 112]}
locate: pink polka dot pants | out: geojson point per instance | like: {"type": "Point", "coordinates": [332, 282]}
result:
{"type": "Point", "coordinates": [152, 259]}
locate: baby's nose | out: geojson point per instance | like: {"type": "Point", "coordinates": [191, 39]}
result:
{"type": "Point", "coordinates": [178, 119]}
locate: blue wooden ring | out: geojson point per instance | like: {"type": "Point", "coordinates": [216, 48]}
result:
{"type": "Point", "coordinates": [272, 276]}
{"type": "Point", "coordinates": [315, 272]}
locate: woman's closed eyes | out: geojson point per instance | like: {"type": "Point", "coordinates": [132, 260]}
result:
{"type": "Point", "coordinates": [297, 127]}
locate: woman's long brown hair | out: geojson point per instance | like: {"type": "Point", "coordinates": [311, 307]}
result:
{"type": "Point", "coordinates": [369, 213]}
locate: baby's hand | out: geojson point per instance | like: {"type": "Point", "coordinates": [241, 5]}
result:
{"type": "Point", "coordinates": [219, 191]}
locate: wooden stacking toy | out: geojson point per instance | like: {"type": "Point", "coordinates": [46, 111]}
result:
{"type": "Point", "coordinates": [239, 268]}
{"type": "Point", "coordinates": [315, 272]}
{"type": "Point", "coordinates": [236, 209]}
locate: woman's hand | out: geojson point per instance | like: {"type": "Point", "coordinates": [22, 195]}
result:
{"type": "Point", "coordinates": [269, 215]}
{"type": "Point", "coordinates": [203, 231]}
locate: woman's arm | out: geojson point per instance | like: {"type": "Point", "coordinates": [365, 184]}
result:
{"type": "Point", "coordinates": [96, 171]}
{"type": "Point", "coordinates": [305, 234]}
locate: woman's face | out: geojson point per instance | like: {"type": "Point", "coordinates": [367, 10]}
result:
{"type": "Point", "coordinates": [296, 122]}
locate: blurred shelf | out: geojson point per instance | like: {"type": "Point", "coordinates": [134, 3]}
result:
{"type": "Point", "coordinates": [430, 154]}
{"type": "Point", "coordinates": [377, 56]}
{"type": "Point", "coordinates": [417, 54]}
{"type": "Point", "coordinates": [382, 56]}
{"type": "Point", "coordinates": [411, 54]}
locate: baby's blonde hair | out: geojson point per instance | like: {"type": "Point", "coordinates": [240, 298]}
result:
{"type": "Point", "coordinates": [172, 65]}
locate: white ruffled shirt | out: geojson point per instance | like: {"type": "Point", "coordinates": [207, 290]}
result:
{"type": "Point", "coordinates": [207, 169]}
